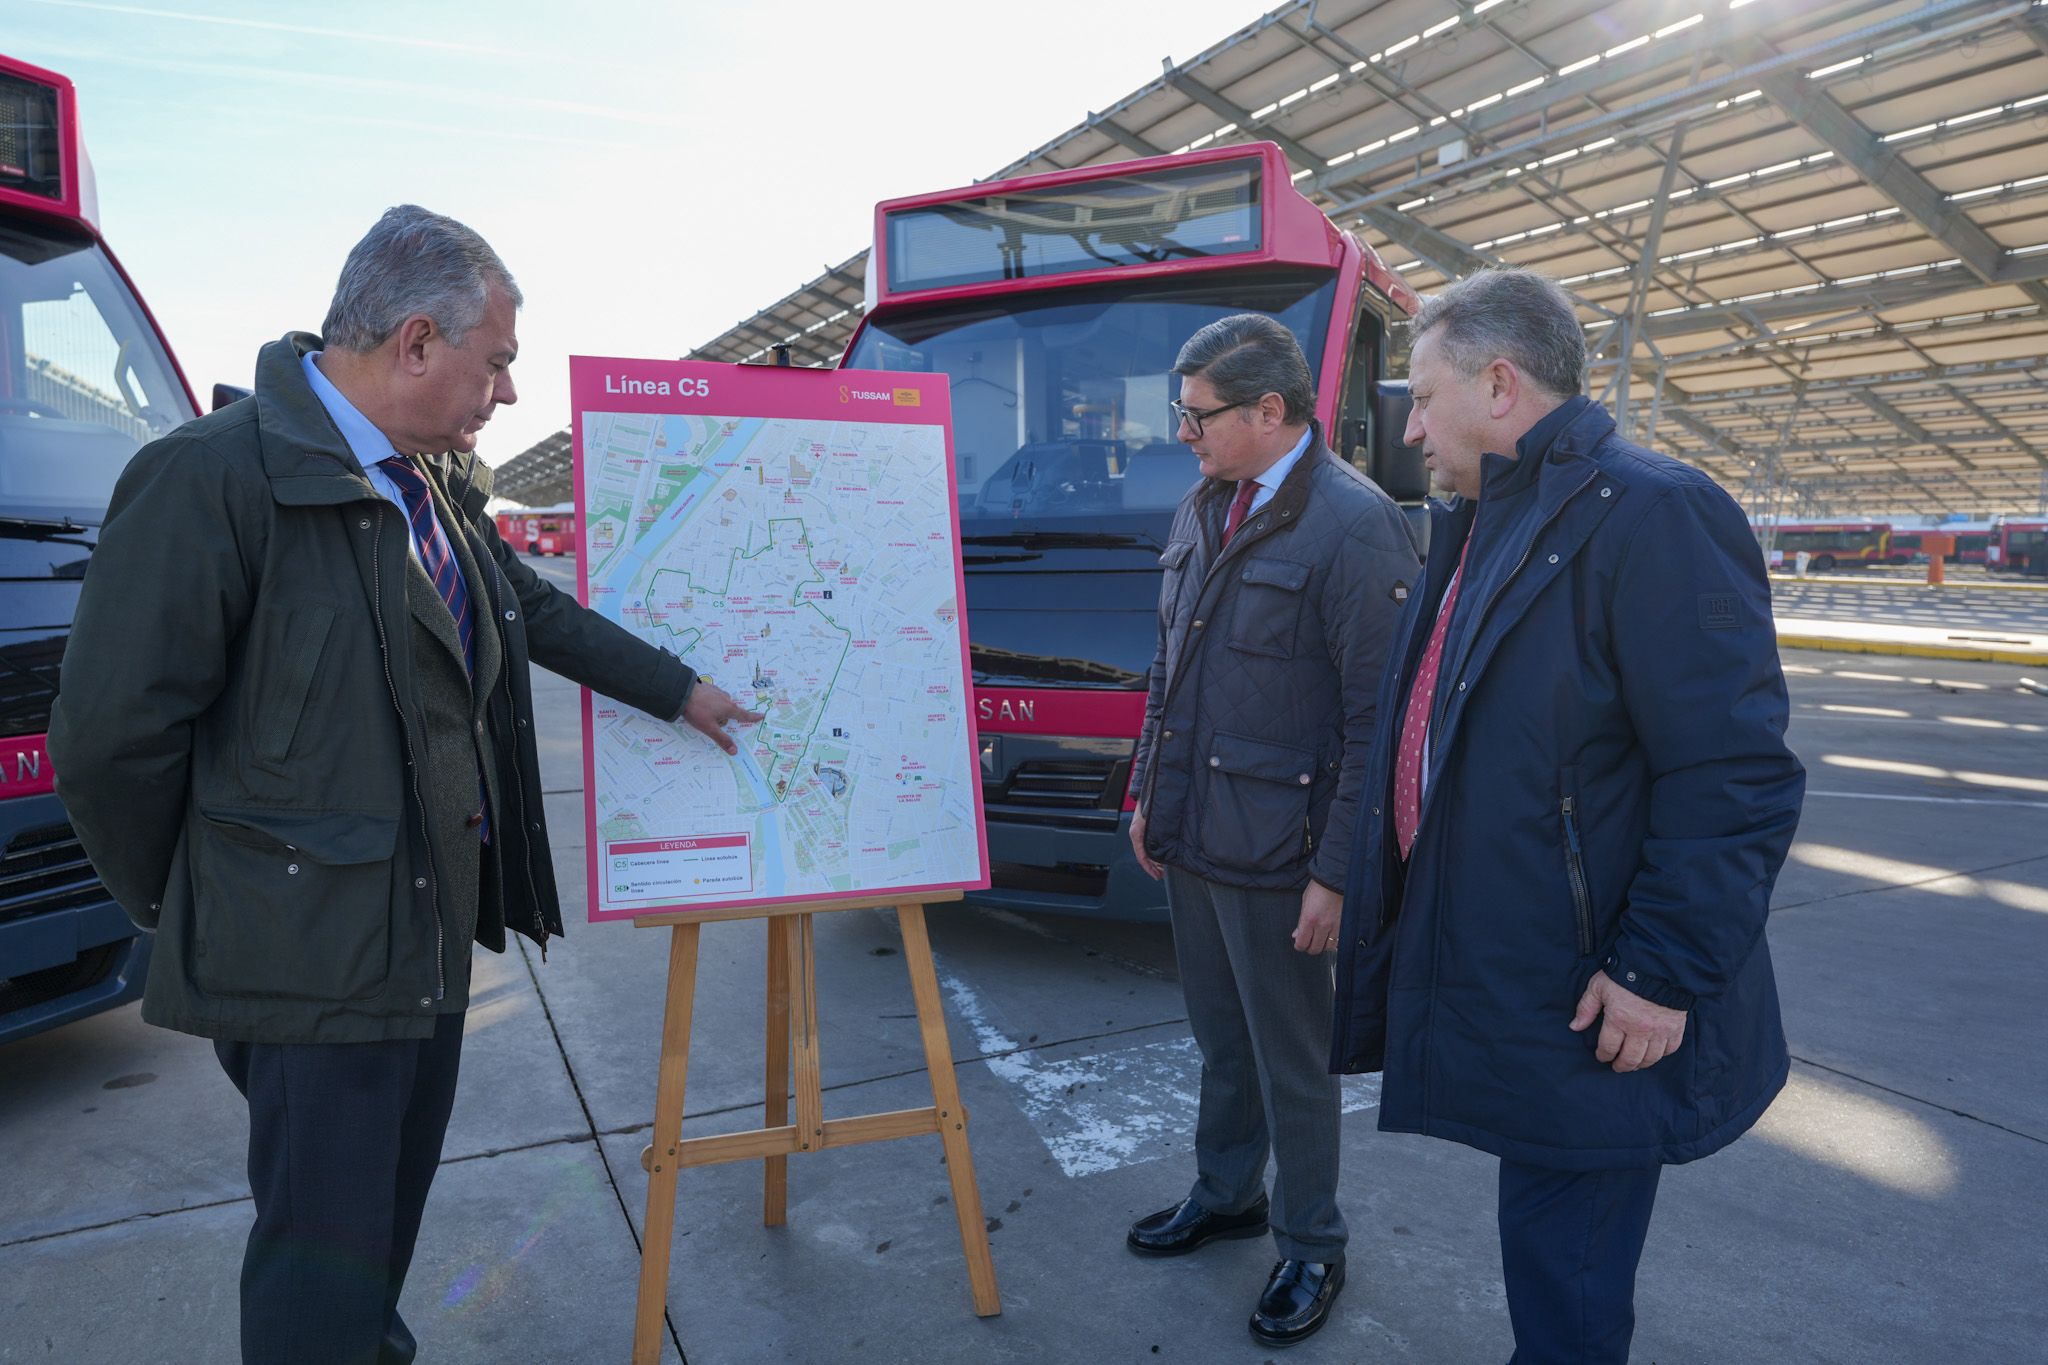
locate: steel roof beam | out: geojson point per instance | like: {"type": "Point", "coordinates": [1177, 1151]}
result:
{"type": "Point", "coordinates": [1991, 420]}
{"type": "Point", "coordinates": [1103, 123]}
{"type": "Point", "coordinates": [1819, 113]}
{"type": "Point", "coordinates": [1907, 426]}
{"type": "Point", "coordinates": [1232, 112]}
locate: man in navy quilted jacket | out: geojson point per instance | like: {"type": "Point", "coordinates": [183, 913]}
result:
{"type": "Point", "coordinates": [1284, 576]}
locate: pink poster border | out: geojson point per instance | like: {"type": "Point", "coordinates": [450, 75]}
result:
{"type": "Point", "coordinates": [771, 392]}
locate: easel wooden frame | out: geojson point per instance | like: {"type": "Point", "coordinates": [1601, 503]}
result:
{"type": "Point", "coordinates": [792, 1009]}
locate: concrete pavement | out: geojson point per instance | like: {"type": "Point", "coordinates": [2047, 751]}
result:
{"type": "Point", "coordinates": [1887, 1208]}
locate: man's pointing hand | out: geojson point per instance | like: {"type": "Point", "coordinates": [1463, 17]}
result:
{"type": "Point", "coordinates": [709, 710]}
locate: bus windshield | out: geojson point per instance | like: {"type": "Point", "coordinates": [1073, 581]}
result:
{"type": "Point", "coordinates": [84, 381]}
{"type": "Point", "coordinates": [1060, 416]}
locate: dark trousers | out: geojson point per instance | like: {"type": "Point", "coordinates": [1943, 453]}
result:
{"type": "Point", "coordinates": [1569, 1244]}
{"type": "Point", "coordinates": [1260, 1013]}
{"type": "Point", "coordinates": [344, 1139]}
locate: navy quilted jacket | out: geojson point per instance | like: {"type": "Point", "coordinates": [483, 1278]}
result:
{"type": "Point", "coordinates": [1609, 787]}
{"type": "Point", "coordinates": [1259, 720]}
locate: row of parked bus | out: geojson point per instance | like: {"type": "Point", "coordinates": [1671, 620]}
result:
{"type": "Point", "coordinates": [2010, 545]}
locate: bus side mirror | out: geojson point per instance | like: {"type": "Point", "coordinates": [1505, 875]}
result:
{"type": "Point", "coordinates": [224, 394]}
{"type": "Point", "coordinates": [1396, 467]}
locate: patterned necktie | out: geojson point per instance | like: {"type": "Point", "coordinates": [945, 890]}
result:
{"type": "Point", "coordinates": [1239, 505]}
{"type": "Point", "coordinates": [1415, 723]}
{"type": "Point", "coordinates": [437, 557]}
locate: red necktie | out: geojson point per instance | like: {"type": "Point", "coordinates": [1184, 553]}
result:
{"type": "Point", "coordinates": [1239, 505]}
{"type": "Point", "coordinates": [1415, 724]}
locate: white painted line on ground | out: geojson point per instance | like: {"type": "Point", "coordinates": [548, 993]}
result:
{"type": "Point", "coordinates": [1933, 800]}
{"type": "Point", "coordinates": [1102, 1111]}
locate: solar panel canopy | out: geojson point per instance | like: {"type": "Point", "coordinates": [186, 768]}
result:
{"type": "Point", "coordinates": [1808, 238]}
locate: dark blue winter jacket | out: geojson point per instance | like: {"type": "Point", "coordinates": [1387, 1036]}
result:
{"type": "Point", "coordinates": [1609, 787]}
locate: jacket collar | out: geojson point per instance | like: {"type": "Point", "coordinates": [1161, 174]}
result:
{"type": "Point", "coordinates": [1571, 428]}
{"type": "Point", "coordinates": [306, 458]}
{"type": "Point", "coordinates": [1283, 510]}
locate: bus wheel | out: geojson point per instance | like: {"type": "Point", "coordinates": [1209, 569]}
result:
{"type": "Point", "coordinates": [1822, 563]}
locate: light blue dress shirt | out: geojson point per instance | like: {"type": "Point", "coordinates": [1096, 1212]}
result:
{"type": "Point", "coordinates": [365, 442]}
{"type": "Point", "coordinates": [1270, 481]}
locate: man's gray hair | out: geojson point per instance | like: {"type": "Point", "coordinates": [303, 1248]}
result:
{"type": "Point", "coordinates": [413, 261]}
{"type": "Point", "coordinates": [1509, 314]}
{"type": "Point", "coordinates": [1247, 356]}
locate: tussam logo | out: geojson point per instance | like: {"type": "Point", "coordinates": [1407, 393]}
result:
{"type": "Point", "coordinates": [902, 398]}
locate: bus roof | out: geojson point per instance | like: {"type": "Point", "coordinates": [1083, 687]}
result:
{"type": "Point", "coordinates": [1239, 201]}
{"type": "Point", "coordinates": [43, 166]}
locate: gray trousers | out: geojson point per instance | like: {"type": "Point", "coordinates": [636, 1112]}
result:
{"type": "Point", "coordinates": [1260, 1012]}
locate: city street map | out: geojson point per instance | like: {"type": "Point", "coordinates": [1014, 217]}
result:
{"type": "Point", "coordinates": [792, 535]}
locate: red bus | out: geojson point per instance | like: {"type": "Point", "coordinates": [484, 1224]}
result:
{"type": "Point", "coordinates": [1973, 541]}
{"type": "Point", "coordinates": [2022, 548]}
{"type": "Point", "coordinates": [541, 530]}
{"type": "Point", "coordinates": [1057, 304]}
{"type": "Point", "coordinates": [1829, 545]}
{"type": "Point", "coordinates": [85, 380]}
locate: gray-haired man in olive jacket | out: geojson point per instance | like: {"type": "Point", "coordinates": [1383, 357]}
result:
{"type": "Point", "coordinates": [295, 736]}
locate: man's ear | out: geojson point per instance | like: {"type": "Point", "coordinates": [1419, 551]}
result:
{"type": "Point", "coordinates": [414, 335]}
{"type": "Point", "coordinates": [1504, 386]}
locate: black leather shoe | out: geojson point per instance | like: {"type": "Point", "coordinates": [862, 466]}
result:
{"type": "Point", "coordinates": [1296, 1301]}
{"type": "Point", "coordinates": [398, 1347]}
{"type": "Point", "coordinates": [1187, 1225]}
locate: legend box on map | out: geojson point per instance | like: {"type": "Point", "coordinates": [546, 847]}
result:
{"type": "Point", "coordinates": [667, 870]}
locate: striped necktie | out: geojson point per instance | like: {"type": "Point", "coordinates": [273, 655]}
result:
{"type": "Point", "coordinates": [437, 557]}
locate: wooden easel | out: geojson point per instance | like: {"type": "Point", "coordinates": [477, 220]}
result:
{"type": "Point", "coordinates": [792, 981]}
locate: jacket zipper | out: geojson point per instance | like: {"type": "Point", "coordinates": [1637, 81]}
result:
{"type": "Point", "coordinates": [411, 760]}
{"type": "Point", "coordinates": [540, 927]}
{"type": "Point", "coordinates": [1575, 871]}
{"type": "Point", "coordinates": [1486, 611]}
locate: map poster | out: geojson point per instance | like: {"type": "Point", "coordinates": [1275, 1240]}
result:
{"type": "Point", "coordinates": [794, 536]}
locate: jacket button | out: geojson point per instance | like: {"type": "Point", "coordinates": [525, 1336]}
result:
{"type": "Point", "coordinates": [292, 868]}
{"type": "Point", "coordinates": [426, 1002]}
{"type": "Point", "coordinates": [1553, 559]}
{"type": "Point", "coordinates": [156, 905]}
{"type": "Point", "coordinates": [1167, 735]}
{"type": "Point", "coordinates": [364, 523]}
{"type": "Point", "coordinates": [1607, 492]}
{"type": "Point", "coordinates": [522, 722]}
{"type": "Point", "coordinates": [1631, 976]}
{"type": "Point", "coordinates": [1198, 625]}
{"type": "Point", "coordinates": [419, 882]}
{"type": "Point", "coordinates": [1375, 810]}
{"type": "Point", "coordinates": [1304, 779]}
{"type": "Point", "coordinates": [536, 827]}
{"type": "Point", "coordinates": [511, 616]}
{"type": "Point", "coordinates": [1215, 762]}
{"type": "Point", "coordinates": [1461, 687]}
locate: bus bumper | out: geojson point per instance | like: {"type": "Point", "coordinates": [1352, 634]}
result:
{"type": "Point", "coordinates": [1063, 870]}
{"type": "Point", "coordinates": [66, 949]}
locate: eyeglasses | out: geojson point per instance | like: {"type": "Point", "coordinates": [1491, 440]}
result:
{"type": "Point", "coordinates": [1183, 413]}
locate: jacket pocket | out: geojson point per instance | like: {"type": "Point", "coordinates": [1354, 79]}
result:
{"type": "Point", "coordinates": [292, 903]}
{"type": "Point", "coordinates": [281, 705]}
{"type": "Point", "coordinates": [1255, 815]}
{"type": "Point", "coordinates": [1575, 863]}
{"type": "Point", "coordinates": [1266, 615]}
{"type": "Point", "coordinates": [1173, 573]}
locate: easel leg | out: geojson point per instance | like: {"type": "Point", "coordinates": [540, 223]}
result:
{"type": "Point", "coordinates": [775, 1169]}
{"type": "Point", "coordinates": [810, 1103]}
{"type": "Point", "coordinates": [660, 1225]}
{"type": "Point", "coordinates": [938, 1059]}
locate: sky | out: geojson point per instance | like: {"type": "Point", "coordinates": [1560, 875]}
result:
{"type": "Point", "coordinates": [650, 172]}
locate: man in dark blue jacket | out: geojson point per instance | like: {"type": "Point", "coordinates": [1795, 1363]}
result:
{"type": "Point", "coordinates": [1580, 798]}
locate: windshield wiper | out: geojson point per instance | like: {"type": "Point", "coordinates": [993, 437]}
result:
{"type": "Point", "coordinates": [1079, 540]}
{"type": "Point", "coordinates": [44, 528]}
